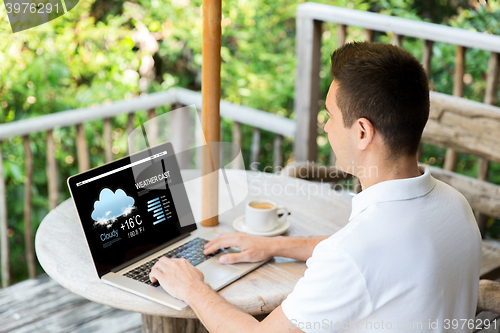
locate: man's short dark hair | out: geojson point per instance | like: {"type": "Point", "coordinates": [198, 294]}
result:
{"type": "Point", "coordinates": [386, 85]}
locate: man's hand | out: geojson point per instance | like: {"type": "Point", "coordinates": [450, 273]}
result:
{"type": "Point", "coordinates": [179, 278]}
{"type": "Point", "coordinates": [253, 248]}
{"type": "Point", "coordinates": [182, 280]}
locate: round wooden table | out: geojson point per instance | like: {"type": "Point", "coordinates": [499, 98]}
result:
{"type": "Point", "coordinates": [315, 209]}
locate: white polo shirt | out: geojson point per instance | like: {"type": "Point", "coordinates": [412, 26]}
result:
{"type": "Point", "coordinates": [408, 260]}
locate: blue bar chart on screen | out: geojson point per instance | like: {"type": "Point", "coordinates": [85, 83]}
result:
{"type": "Point", "coordinates": [156, 207]}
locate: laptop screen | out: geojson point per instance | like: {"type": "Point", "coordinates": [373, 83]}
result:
{"type": "Point", "coordinates": [131, 206]}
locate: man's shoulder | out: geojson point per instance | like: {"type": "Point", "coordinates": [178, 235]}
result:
{"type": "Point", "coordinates": [448, 193]}
{"type": "Point", "coordinates": [451, 202]}
{"type": "Point", "coordinates": [387, 222]}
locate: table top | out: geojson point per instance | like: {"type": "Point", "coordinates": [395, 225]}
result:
{"type": "Point", "coordinates": [315, 209]}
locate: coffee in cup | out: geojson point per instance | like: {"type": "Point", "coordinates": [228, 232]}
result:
{"type": "Point", "coordinates": [261, 205]}
{"type": "Point", "coordinates": [262, 215]}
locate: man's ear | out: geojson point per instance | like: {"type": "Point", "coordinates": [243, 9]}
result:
{"type": "Point", "coordinates": [364, 133]}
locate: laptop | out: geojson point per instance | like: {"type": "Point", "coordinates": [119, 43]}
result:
{"type": "Point", "coordinates": [135, 210]}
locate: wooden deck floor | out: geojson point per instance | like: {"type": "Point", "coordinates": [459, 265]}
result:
{"type": "Point", "coordinates": [42, 305]}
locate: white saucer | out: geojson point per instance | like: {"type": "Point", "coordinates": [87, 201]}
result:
{"type": "Point", "coordinates": [240, 225]}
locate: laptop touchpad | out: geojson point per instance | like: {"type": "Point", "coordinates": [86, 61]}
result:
{"type": "Point", "coordinates": [216, 273]}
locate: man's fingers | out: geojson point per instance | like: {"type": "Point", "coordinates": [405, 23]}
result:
{"type": "Point", "coordinates": [233, 258]}
{"type": "Point", "coordinates": [229, 235]}
{"type": "Point", "coordinates": [161, 265]}
{"type": "Point", "coordinates": [159, 268]}
{"type": "Point", "coordinates": [215, 241]}
{"type": "Point", "coordinates": [164, 260]}
{"type": "Point", "coordinates": [225, 240]}
{"type": "Point", "coordinates": [155, 271]}
{"type": "Point", "coordinates": [217, 245]}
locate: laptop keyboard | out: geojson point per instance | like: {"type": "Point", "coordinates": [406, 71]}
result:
{"type": "Point", "coordinates": [192, 251]}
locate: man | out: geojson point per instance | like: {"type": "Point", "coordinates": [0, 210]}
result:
{"type": "Point", "coordinates": [409, 257]}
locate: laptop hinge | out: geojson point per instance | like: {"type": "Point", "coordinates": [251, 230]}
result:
{"type": "Point", "coordinates": [150, 252]}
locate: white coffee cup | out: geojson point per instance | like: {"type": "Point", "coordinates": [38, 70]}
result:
{"type": "Point", "coordinates": [262, 215]}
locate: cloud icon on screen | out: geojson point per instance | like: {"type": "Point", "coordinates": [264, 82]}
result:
{"type": "Point", "coordinates": [112, 205]}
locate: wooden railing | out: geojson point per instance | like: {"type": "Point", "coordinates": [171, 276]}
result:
{"type": "Point", "coordinates": [260, 120]}
{"type": "Point", "coordinates": [477, 136]}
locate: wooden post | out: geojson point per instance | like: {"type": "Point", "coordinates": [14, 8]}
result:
{"type": "Point", "coordinates": [277, 155]}
{"type": "Point", "coordinates": [426, 59]}
{"type": "Point", "coordinates": [4, 239]}
{"type": "Point", "coordinates": [255, 148]}
{"type": "Point", "coordinates": [130, 123]}
{"type": "Point", "coordinates": [237, 144]}
{"type": "Point", "coordinates": [108, 143]}
{"type": "Point", "coordinates": [210, 90]}
{"type": "Point", "coordinates": [308, 50]}
{"type": "Point", "coordinates": [82, 149]}
{"type": "Point", "coordinates": [369, 35]}
{"type": "Point", "coordinates": [52, 172]}
{"type": "Point", "coordinates": [396, 39]}
{"type": "Point", "coordinates": [426, 63]}
{"type": "Point", "coordinates": [180, 135]}
{"type": "Point", "coordinates": [341, 34]}
{"type": "Point", "coordinates": [492, 79]}
{"type": "Point", "coordinates": [490, 97]}
{"type": "Point", "coordinates": [152, 129]}
{"type": "Point", "coordinates": [28, 235]}
{"type": "Point", "coordinates": [458, 79]}
{"type": "Point", "coordinates": [199, 138]}
{"type": "Point", "coordinates": [221, 146]}
{"type": "Point", "coordinates": [451, 158]}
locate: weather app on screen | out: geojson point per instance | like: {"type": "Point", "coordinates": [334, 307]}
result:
{"type": "Point", "coordinates": [127, 208]}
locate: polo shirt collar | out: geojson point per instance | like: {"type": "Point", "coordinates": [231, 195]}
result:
{"type": "Point", "coordinates": [394, 190]}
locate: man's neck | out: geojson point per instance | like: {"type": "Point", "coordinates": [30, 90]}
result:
{"type": "Point", "coordinates": [405, 167]}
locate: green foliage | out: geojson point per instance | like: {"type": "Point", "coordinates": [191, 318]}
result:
{"type": "Point", "coordinates": [92, 55]}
